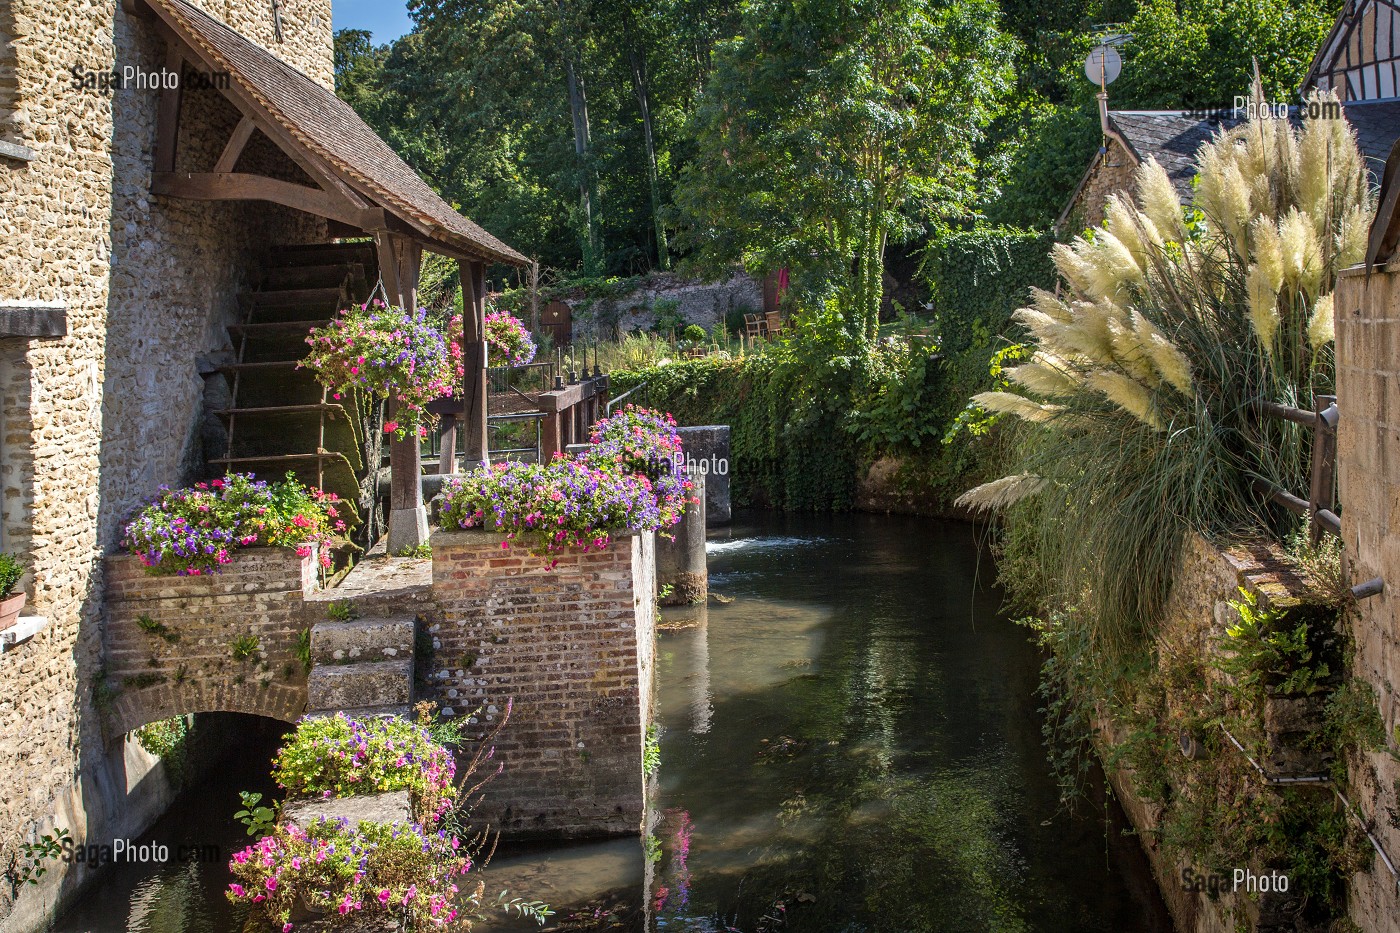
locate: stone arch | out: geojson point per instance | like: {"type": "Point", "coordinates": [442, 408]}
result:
{"type": "Point", "coordinates": [133, 708]}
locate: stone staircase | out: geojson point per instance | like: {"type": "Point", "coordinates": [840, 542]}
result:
{"type": "Point", "coordinates": [362, 667]}
{"type": "Point", "coordinates": [280, 419]}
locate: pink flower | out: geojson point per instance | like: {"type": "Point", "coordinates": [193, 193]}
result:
{"type": "Point", "coordinates": [384, 897]}
{"type": "Point", "coordinates": [237, 889]}
{"type": "Point", "coordinates": [391, 426]}
{"type": "Point", "coordinates": [270, 884]}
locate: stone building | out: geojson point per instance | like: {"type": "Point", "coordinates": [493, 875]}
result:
{"type": "Point", "coordinates": [1359, 61]}
{"type": "Point", "coordinates": [151, 151]}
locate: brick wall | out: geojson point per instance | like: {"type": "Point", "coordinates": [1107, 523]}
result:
{"type": "Point", "coordinates": [1368, 473]}
{"type": "Point", "coordinates": [574, 648]}
{"type": "Point", "coordinates": [189, 667]}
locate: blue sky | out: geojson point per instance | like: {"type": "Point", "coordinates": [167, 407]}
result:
{"type": "Point", "coordinates": [387, 19]}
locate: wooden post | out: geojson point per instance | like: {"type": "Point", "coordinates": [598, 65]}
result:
{"type": "Point", "coordinates": [447, 445]}
{"type": "Point", "coordinates": [399, 261]}
{"type": "Point", "coordinates": [474, 359]}
{"type": "Point", "coordinates": [1324, 463]}
{"type": "Point", "coordinates": [550, 441]}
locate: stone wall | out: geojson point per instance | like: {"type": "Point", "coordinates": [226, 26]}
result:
{"type": "Point", "coordinates": [573, 649]}
{"type": "Point", "coordinates": [95, 420]}
{"type": "Point", "coordinates": [169, 641]}
{"type": "Point", "coordinates": [1107, 177]}
{"type": "Point", "coordinates": [1368, 473]}
{"type": "Point", "coordinates": [1193, 625]}
{"type": "Point", "coordinates": [695, 302]}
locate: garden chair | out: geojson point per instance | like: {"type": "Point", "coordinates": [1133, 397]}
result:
{"type": "Point", "coordinates": [754, 326]}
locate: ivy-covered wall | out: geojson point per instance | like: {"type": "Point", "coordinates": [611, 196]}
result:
{"type": "Point", "coordinates": [809, 416]}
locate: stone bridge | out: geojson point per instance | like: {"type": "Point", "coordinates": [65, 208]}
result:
{"type": "Point", "coordinates": [228, 642]}
{"type": "Point", "coordinates": [570, 650]}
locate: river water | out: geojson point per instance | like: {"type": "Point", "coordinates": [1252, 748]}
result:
{"type": "Point", "coordinates": [849, 744]}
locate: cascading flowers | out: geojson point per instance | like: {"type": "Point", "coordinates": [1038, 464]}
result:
{"type": "Point", "coordinates": [388, 869]}
{"type": "Point", "coordinates": [385, 351]}
{"type": "Point", "coordinates": [562, 504]}
{"type": "Point", "coordinates": [508, 342]}
{"type": "Point", "coordinates": [644, 442]}
{"type": "Point", "coordinates": [194, 531]}
{"type": "Point", "coordinates": [343, 757]}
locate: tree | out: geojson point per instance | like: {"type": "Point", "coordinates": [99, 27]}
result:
{"type": "Point", "coordinates": [1200, 53]}
{"type": "Point", "coordinates": [829, 127]}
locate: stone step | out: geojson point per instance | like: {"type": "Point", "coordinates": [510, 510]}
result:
{"type": "Point", "coordinates": [360, 687]}
{"type": "Point", "coordinates": [362, 640]}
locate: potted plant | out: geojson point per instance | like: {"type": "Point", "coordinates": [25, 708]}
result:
{"type": "Point", "coordinates": [11, 597]}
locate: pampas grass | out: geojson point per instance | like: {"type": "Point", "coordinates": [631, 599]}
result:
{"type": "Point", "coordinates": [1002, 493]}
{"type": "Point", "coordinates": [1135, 414]}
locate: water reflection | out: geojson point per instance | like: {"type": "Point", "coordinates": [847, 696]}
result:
{"type": "Point", "coordinates": [849, 745]}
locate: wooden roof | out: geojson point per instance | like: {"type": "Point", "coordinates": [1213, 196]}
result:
{"type": "Point", "coordinates": [327, 128]}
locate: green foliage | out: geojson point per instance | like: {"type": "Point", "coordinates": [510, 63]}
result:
{"type": "Point", "coordinates": [164, 738]}
{"type": "Point", "coordinates": [1268, 653]}
{"type": "Point", "coordinates": [159, 629]}
{"type": "Point", "coordinates": [342, 610]}
{"type": "Point", "coordinates": [143, 680]}
{"type": "Point", "coordinates": [244, 647]}
{"type": "Point", "coordinates": [11, 572]}
{"type": "Point", "coordinates": [1200, 53]}
{"type": "Point", "coordinates": [258, 819]}
{"type": "Point", "coordinates": [30, 862]}
{"type": "Point", "coordinates": [875, 109]}
{"type": "Point", "coordinates": [537, 911]}
{"type": "Point", "coordinates": [651, 751]}
{"type": "Point", "coordinates": [303, 649]}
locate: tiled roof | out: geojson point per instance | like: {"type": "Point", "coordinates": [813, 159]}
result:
{"type": "Point", "coordinates": [1377, 126]}
{"type": "Point", "coordinates": [1173, 136]}
{"type": "Point", "coordinates": [330, 129]}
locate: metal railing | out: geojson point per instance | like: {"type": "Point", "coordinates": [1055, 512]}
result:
{"type": "Point", "coordinates": [1321, 505]}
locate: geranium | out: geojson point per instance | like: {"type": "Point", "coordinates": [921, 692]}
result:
{"type": "Point", "coordinates": [387, 869]}
{"type": "Point", "coordinates": [347, 757]}
{"type": "Point", "coordinates": [561, 504]}
{"type": "Point", "coordinates": [646, 443]}
{"type": "Point", "coordinates": [384, 351]}
{"type": "Point", "coordinates": [196, 530]}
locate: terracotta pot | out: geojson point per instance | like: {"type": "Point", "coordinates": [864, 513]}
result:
{"type": "Point", "coordinates": [10, 609]}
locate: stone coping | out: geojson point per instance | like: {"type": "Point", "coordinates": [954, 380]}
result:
{"type": "Point", "coordinates": [446, 537]}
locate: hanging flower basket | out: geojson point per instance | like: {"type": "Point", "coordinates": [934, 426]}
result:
{"type": "Point", "coordinates": [387, 352]}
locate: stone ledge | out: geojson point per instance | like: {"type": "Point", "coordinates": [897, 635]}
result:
{"type": "Point", "coordinates": [33, 319]}
{"type": "Point", "coordinates": [390, 807]}
{"type": "Point", "coordinates": [17, 152]}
